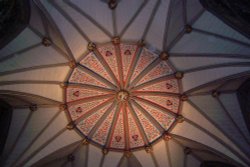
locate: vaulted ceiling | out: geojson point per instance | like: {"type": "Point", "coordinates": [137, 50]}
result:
{"type": "Point", "coordinates": [139, 83]}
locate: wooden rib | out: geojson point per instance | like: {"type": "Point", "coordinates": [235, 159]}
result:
{"type": "Point", "coordinates": [133, 17]}
{"type": "Point", "coordinates": [55, 26]}
{"type": "Point", "coordinates": [102, 119]}
{"type": "Point", "coordinates": [5, 58]}
{"type": "Point", "coordinates": [46, 143]}
{"type": "Point", "coordinates": [95, 75]}
{"type": "Point", "coordinates": [113, 126]}
{"type": "Point", "coordinates": [155, 93]}
{"type": "Point", "coordinates": [138, 124]}
{"type": "Point", "coordinates": [145, 71]}
{"type": "Point", "coordinates": [92, 87]}
{"type": "Point", "coordinates": [148, 116]}
{"type": "Point", "coordinates": [163, 109]}
{"type": "Point", "coordinates": [94, 110]}
{"type": "Point", "coordinates": [37, 137]}
{"type": "Point", "coordinates": [154, 81]}
{"type": "Point", "coordinates": [78, 9]}
{"type": "Point", "coordinates": [149, 23]}
{"type": "Point", "coordinates": [119, 64]}
{"type": "Point", "coordinates": [106, 66]}
{"type": "Point", "coordinates": [133, 65]}
{"type": "Point", "coordinates": [89, 99]}
{"type": "Point", "coordinates": [68, 17]}
{"type": "Point", "coordinates": [31, 68]}
{"type": "Point", "coordinates": [126, 127]}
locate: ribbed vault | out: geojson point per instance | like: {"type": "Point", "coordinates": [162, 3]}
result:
{"type": "Point", "coordinates": [202, 59]}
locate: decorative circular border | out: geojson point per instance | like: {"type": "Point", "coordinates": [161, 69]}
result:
{"type": "Point", "coordinates": [122, 96]}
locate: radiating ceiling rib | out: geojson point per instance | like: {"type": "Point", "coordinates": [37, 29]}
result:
{"type": "Point", "coordinates": [211, 149]}
{"type": "Point", "coordinates": [133, 65]}
{"type": "Point", "coordinates": [64, 139]}
{"type": "Point", "coordinates": [211, 23]}
{"type": "Point", "coordinates": [76, 7]}
{"type": "Point", "coordinates": [142, 6]}
{"type": "Point", "coordinates": [84, 35]}
{"type": "Point", "coordinates": [112, 159]}
{"type": "Point", "coordinates": [215, 137]}
{"type": "Point", "coordinates": [53, 45]}
{"type": "Point", "coordinates": [46, 143]}
{"type": "Point", "coordinates": [210, 140]}
{"type": "Point", "coordinates": [207, 123]}
{"type": "Point", "coordinates": [233, 64]}
{"type": "Point", "coordinates": [92, 87]}
{"type": "Point", "coordinates": [24, 126]}
{"type": "Point", "coordinates": [25, 39]}
{"type": "Point", "coordinates": [221, 37]}
{"type": "Point", "coordinates": [233, 121]}
{"type": "Point", "coordinates": [55, 26]}
{"type": "Point", "coordinates": [106, 66]}
{"type": "Point", "coordinates": [194, 55]}
{"type": "Point", "coordinates": [136, 29]}
{"type": "Point", "coordinates": [149, 23]}
{"type": "Point", "coordinates": [101, 120]}
{"type": "Point", "coordinates": [221, 80]}
{"type": "Point", "coordinates": [114, 22]}
{"type": "Point", "coordinates": [226, 99]}
{"type": "Point", "coordinates": [113, 125]}
{"type": "Point", "coordinates": [220, 119]}
{"type": "Point", "coordinates": [145, 71]}
{"type": "Point", "coordinates": [10, 56]}
{"type": "Point", "coordinates": [156, 164]}
{"type": "Point", "coordinates": [37, 136]}
{"type": "Point", "coordinates": [150, 117]}
{"type": "Point", "coordinates": [138, 123]}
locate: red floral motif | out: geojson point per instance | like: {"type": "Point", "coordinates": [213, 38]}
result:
{"type": "Point", "coordinates": [169, 103]}
{"type": "Point", "coordinates": [79, 110]}
{"type": "Point", "coordinates": [135, 137]}
{"type": "Point", "coordinates": [108, 53]}
{"type": "Point", "coordinates": [76, 93]}
{"type": "Point", "coordinates": [118, 138]}
{"type": "Point", "coordinates": [169, 86]}
{"type": "Point", "coordinates": [127, 52]}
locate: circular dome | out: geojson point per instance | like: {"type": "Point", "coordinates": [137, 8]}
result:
{"type": "Point", "coordinates": [122, 96]}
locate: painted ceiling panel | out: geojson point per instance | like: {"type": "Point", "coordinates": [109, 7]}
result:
{"type": "Point", "coordinates": [126, 97]}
